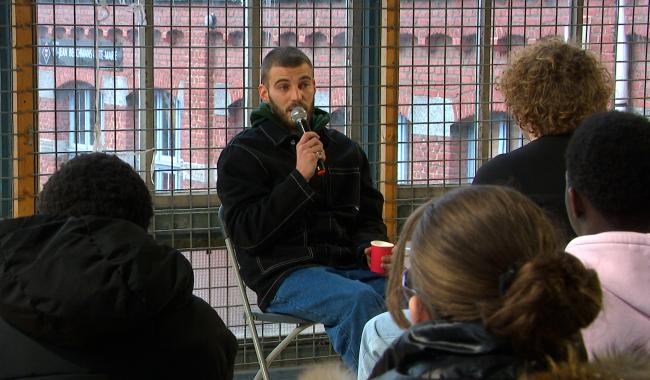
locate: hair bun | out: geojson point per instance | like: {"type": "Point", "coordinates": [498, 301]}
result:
{"type": "Point", "coordinates": [551, 298]}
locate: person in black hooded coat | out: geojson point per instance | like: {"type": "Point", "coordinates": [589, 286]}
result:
{"type": "Point", "coordinates": [87, 293]}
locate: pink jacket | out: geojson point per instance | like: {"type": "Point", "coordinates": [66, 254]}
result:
{"type": "Point", "coordinates": [622, 260]}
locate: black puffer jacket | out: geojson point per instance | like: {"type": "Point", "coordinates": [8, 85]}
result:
{"type": "Point", "coordinates": [447, 350]}
{"type": "Point", "coordinates": [98, 298]}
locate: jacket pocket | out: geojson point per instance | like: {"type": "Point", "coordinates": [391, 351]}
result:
{"type": "Point", "coordinates": [345, 188]}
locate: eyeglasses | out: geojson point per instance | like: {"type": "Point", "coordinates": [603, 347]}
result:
{"type": "Point", "coordinates": [406, 288]}
{"type": "Point", "coordinates": [409, 292]}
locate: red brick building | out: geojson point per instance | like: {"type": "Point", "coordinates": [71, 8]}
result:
{"type": "Point", "coordinates": [94, 67]}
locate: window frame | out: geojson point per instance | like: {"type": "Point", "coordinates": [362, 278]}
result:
{"type": "Point", "coordinates": [6, 121]}
{"type": "Point", "coordinates": [81, 121]}
{"type": "Point", "coordinates": [168, 113]}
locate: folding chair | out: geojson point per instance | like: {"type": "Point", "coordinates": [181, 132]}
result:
{"type": "Point", "coordinates": [257, 315]}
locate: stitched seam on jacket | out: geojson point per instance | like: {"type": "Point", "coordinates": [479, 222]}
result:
{"type": "Point", "coordinates": [299, 185]}
{"type": "Point", "coordinates": [284, 263]}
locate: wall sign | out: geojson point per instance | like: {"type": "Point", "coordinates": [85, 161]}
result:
{"type": "Point", "coordinates": [65, 52]}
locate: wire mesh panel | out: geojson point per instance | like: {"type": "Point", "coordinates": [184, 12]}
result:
{"type": "Point", "coordinates": [451, 113]}
{"type": "Point", "coordinates": [618, 32]}
{"type": "Point", "coordinates": [441, 45]}
{"type": "Point", "coordinates": [89, 70]}
{"type": "Point", "coordinates": [321, 30]}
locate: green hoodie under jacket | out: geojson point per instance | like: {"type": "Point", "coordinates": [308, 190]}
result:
{"type": "Point", "coordinates": [319, 118]}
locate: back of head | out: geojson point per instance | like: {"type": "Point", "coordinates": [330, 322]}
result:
{"type": "Point", "coordinates": [608, 162]}
{"type": "Point", "coordinates": [97, 184]}
{"type": "Point", "coordinates": [283, 56]}
{"type": "Point", "coordinates": [489, 253]}
{"type": "Point", "coordinates": [551, 86]}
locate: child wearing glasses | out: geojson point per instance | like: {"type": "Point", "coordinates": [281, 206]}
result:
{"type": "Point", "coordinates": [491, 294]}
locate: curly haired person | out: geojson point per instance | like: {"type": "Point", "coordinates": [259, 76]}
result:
{"type": "Point", "coordinates": [549, 88]}
{"type": "Point", "coordinates": [87, 293]}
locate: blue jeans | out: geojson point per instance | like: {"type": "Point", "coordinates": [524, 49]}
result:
{"type": "Point", "coordinates": [343, 300]}
{"type": "Point", "coordinates": [378, 334]}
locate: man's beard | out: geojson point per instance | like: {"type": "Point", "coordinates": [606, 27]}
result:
{"type": "Point", "coordinates": [282, 114]}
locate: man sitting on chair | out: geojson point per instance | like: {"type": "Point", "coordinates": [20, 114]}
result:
{"type": "Point", "coordinates": [302, 239]}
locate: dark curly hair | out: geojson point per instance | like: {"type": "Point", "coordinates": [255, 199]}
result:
{"type": "Point", "coordinates": [97, 184]}
{"type": "Point", "coordinates": [608, 162]}
{"type": "Point", "coordinates": [551, 86]}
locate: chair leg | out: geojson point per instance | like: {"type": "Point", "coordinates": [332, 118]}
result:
{"type": "Point", "coordinates": [247, 308]}
{"type": "Point", "coordinates": [280, 347]}
{"type": "Point", "coordinates": [259, 352]}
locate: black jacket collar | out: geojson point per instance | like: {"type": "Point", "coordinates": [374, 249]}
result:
{"type": "Point", "coordinates": [448, 350]}
{"type": "Point", "coordinates": [281, 134]}
{"type": "Point", "coordinates": [278, 134]}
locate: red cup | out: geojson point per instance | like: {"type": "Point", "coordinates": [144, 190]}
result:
{"type": "Point", "coordinates": [379, 249]}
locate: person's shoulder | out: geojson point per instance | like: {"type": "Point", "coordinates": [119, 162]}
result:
{"type": "Point", "coordinates": [30, 223]}
{"type": "Point", "coordinates": [131, 242]}
{"type": "Point", "coordinates": [541, 152]}
{"type": "Point", "coordinates": [244, 143]}
{"type": "Point", "coordinates": [337, 136]}
{"type": "Point", "coordinates": [495, 170]}
{"type": "Point", "coordinates": [247, 136]}
{"type": "Point", "coordinates": [108, 228]}
{"type": "Point", "coordinates": [343, 142]}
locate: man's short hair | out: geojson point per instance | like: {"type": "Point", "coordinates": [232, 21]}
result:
{"type": "Point", "coordinates": [97, 184]}
{"type": "Point", "coordinates": [551, 86]}
{"type": "Point", "coordinates": [608, 162]}
{"type": "Point", "coordinates": [283, 56]}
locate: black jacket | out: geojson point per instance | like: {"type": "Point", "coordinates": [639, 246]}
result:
{"type": "Point", "coordinates": [94, 297]}
{"type": "Point", "coordinates": [537, 169]}
{"type": "Point", "coordinates": [447, 350]}
{"type": "Point", "coordinates": [281, 223]}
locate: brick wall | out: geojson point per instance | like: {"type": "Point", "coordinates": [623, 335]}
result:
{"type": "Point", "coordinates": [437, 57]}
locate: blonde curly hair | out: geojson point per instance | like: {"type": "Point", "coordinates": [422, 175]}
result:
{"type": "Point", "coordinates": [550, 86]}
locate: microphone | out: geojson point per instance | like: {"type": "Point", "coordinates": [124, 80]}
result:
{"type": "Point", "coordinates": [299, 117]}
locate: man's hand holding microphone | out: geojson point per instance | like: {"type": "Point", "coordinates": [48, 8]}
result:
{"type": "Point", "coordinates": [310, 153]}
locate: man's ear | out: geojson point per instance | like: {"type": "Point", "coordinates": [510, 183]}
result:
{"type": "Point", "coordinates": [576, 203]}
{"type": "Point", "coordinates": [419, 312]}
{"type": "Point", "coordinates": [264, 92]}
